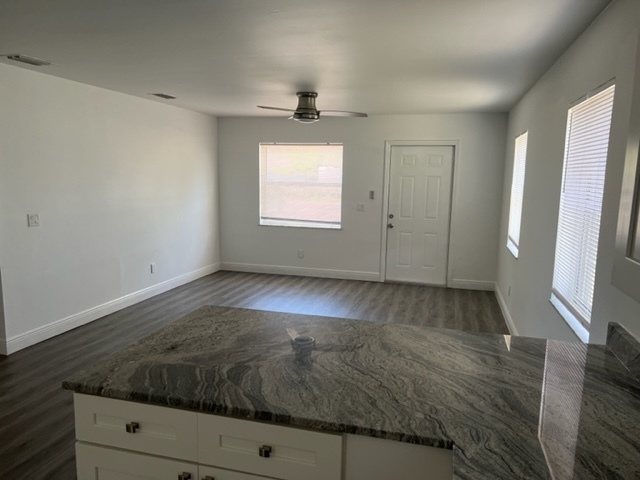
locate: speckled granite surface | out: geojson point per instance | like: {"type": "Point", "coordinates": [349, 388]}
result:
{"type": "Point", "coordinates": [625, 347]}
{"type": "Point", "coordinates": [510, 407]}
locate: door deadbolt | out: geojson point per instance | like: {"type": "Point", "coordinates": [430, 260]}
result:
{"type": "Point", "coordinates": [391, 215]}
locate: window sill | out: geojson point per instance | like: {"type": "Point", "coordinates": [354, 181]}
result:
{"type": "Point", "coordinates": [572, 321]}
{"type": "Point", "coordinates": [320, 226]}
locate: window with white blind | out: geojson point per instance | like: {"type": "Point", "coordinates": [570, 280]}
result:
{"type": "Point", "coordinates": [517, 191]}
{"type": "Point", "coordinates": [585, 159]}
{"type": "Point", "coordinates": [301, 185]}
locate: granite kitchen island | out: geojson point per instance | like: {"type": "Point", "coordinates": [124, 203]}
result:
{"type": "Point", "coordinates": [505, 407]}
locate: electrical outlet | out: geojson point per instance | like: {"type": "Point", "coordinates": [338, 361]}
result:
{"type": "Point", "coordinates": [33, 220]}
{"type": "Point", "coordinates": [152, 268]}
{"type": "Point", "coordinates": [372, 194]}
{"type": "Point", "coordinates": [360, 207]}
{"type": "Point", "coordinates": [300, 253]}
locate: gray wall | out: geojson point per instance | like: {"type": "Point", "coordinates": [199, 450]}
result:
{"type": "Point", "coordinates": [119, 182]}
{"type": "Point", "coordinates": [354, 251]}
{"type": "Point", "coordinates": [608, 49]}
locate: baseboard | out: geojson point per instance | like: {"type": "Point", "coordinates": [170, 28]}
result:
{"type": "Point", "coordinates": [3, 346]}
{"type": "Point", "coordinates": [24, 340]}
{"type": "Point", "coordinates": [301, 271]}
{"type": "Point", "coordinates": [505, 312]}
{"type": "Point", "coordinates": [471, 284]}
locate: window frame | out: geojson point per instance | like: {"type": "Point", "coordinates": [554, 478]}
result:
{"type": "Point", "coordinates": [625, 275]}
{"type": "Point", "coordinates": [573, 309]}
{"type": "Point", "coordinates": [517, 194]}
{"type": "Point", "coordinates": [292, 223]}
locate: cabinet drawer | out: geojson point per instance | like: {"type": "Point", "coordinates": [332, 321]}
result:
{"type": "Point", "coordinates": [158, 430]}
{"type": "Point", "coordinates": [295, 454]}
{"type": "Point", "coordinates": [221, 474]}
{"type": "Point", "coordinates": [102, 463]}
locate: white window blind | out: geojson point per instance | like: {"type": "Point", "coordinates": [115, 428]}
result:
{"type": "Point", "coordinates": [301, 185]}
{"type": "Point", "coordinates": [517, 192]}
{"type": "Point", "coordinates": [587, 140]}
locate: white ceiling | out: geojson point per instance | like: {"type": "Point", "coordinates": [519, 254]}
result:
{"type": "Point", "coordinates": [224, 57]}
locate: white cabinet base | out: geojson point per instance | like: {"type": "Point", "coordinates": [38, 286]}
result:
{"type": "Point", "coordinates": [227, 448]}
{"type": "Point", "coordinates": [377, 459]}
{"type": "Point", "coordinates": [102, 463]}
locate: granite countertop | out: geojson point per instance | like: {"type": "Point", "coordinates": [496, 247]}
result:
{"type": "Point", "coordinates": [510, 407]}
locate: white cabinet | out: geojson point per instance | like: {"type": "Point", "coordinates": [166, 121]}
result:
{"type": "Point", "coordinates": [167, 432]}
{"type": "Point", "coordinates": [120, 440]}
{"type": "Point", "coordinates": [280, 452]}
{"type": "Point", "coordinates": [377, 459]}
{"type": "Point", "coordinates": [213, 473]}
{"type": "Point", "coordinates": [102, 463]}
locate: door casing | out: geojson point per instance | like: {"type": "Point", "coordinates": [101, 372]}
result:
{"type": "Point", "coordinates": [385, 196]}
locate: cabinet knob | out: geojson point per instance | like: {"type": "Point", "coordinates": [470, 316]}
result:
{"type": "Point", "coordinates": [184, 476]}
{"type": "Point", "coordinates": [131, 427]}
{"type": "Point", "coordinates": [265, 451]}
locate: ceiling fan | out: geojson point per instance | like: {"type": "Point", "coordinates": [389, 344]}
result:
{"type": "Point", "coordinates": [306, 111]}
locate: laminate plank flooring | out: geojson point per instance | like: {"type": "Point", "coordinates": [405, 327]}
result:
{"type": "Point", "coordinates": [36, 415]}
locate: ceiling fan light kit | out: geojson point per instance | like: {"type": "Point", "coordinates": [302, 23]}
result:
{"type": "Point", "coordinates": [306, 111]}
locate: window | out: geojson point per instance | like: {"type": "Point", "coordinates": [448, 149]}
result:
{"type": "Point", "coordinates": [585, 159]}
{"type": "Point", "coordinates": [301, 185]}
{"type": "Point", "coordinates": [517, 191]}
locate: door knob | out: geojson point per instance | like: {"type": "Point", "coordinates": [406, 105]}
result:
{"type": "Point", "coordinates": [184, 476]}
{"type": "Point", "coordinates": [389, 225]}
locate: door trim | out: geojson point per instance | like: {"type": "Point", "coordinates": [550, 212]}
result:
{"type": "Point", "coordinates": [385, 196]}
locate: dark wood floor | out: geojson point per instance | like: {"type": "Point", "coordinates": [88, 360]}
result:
{"type": "Point", "coordinates": [36, 415]}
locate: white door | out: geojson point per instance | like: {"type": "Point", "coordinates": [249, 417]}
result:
{"type": "Point", "coordinates": [420, 181]}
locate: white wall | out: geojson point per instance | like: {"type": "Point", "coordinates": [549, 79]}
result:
{"type": "Point", "coordinates": [118, 181]}
{"type": "Point", "coordinates": [354, 251]}
{"type": "Point", "coordinates": [607, 49]}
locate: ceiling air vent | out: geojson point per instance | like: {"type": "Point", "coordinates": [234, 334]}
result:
{"type": "Point", "coordinates": [28, 60]}
{"type": "Point", "coordinates": [164, 95]}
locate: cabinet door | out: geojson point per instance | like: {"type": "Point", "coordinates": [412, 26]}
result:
{"type": "Point", "coordinates": [378, 459]}
{"type": "Point", "coordinates": [167, 432]}
{"type": "Point", "coordinates": [271, 450]}
{"type": "Point", "coordinates": [101, 463]}
{"type": "Point", "coordinates": [212, 473]}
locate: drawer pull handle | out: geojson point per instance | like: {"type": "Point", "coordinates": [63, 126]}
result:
{"type": "Point", "coordinates": [184, 476]}
{"type": "Point", "coordinates": [132, 427]}
{"type": "Point", "coordinates": [265, 451]}
{"type": "Point", "coordinates": [208, 477]}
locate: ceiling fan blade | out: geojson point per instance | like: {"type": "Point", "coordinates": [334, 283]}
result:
{"type": "Point", "coordinates": [343, 113]}
{"type": "Point", "coordinates": [276, 108]}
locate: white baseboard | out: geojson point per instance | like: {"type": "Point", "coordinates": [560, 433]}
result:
{"type": "Point", "coordinates": [505, 312]}
{"type": "Point", "coordinates": [471, 284]}
{"type": "Point", "coordinates": [301, 271]}
{"type": "Point", "coordinates": [24, 340]}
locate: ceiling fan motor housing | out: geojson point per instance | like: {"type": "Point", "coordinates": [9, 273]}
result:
{"type": "Point", "coordinates": [306, 110]}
